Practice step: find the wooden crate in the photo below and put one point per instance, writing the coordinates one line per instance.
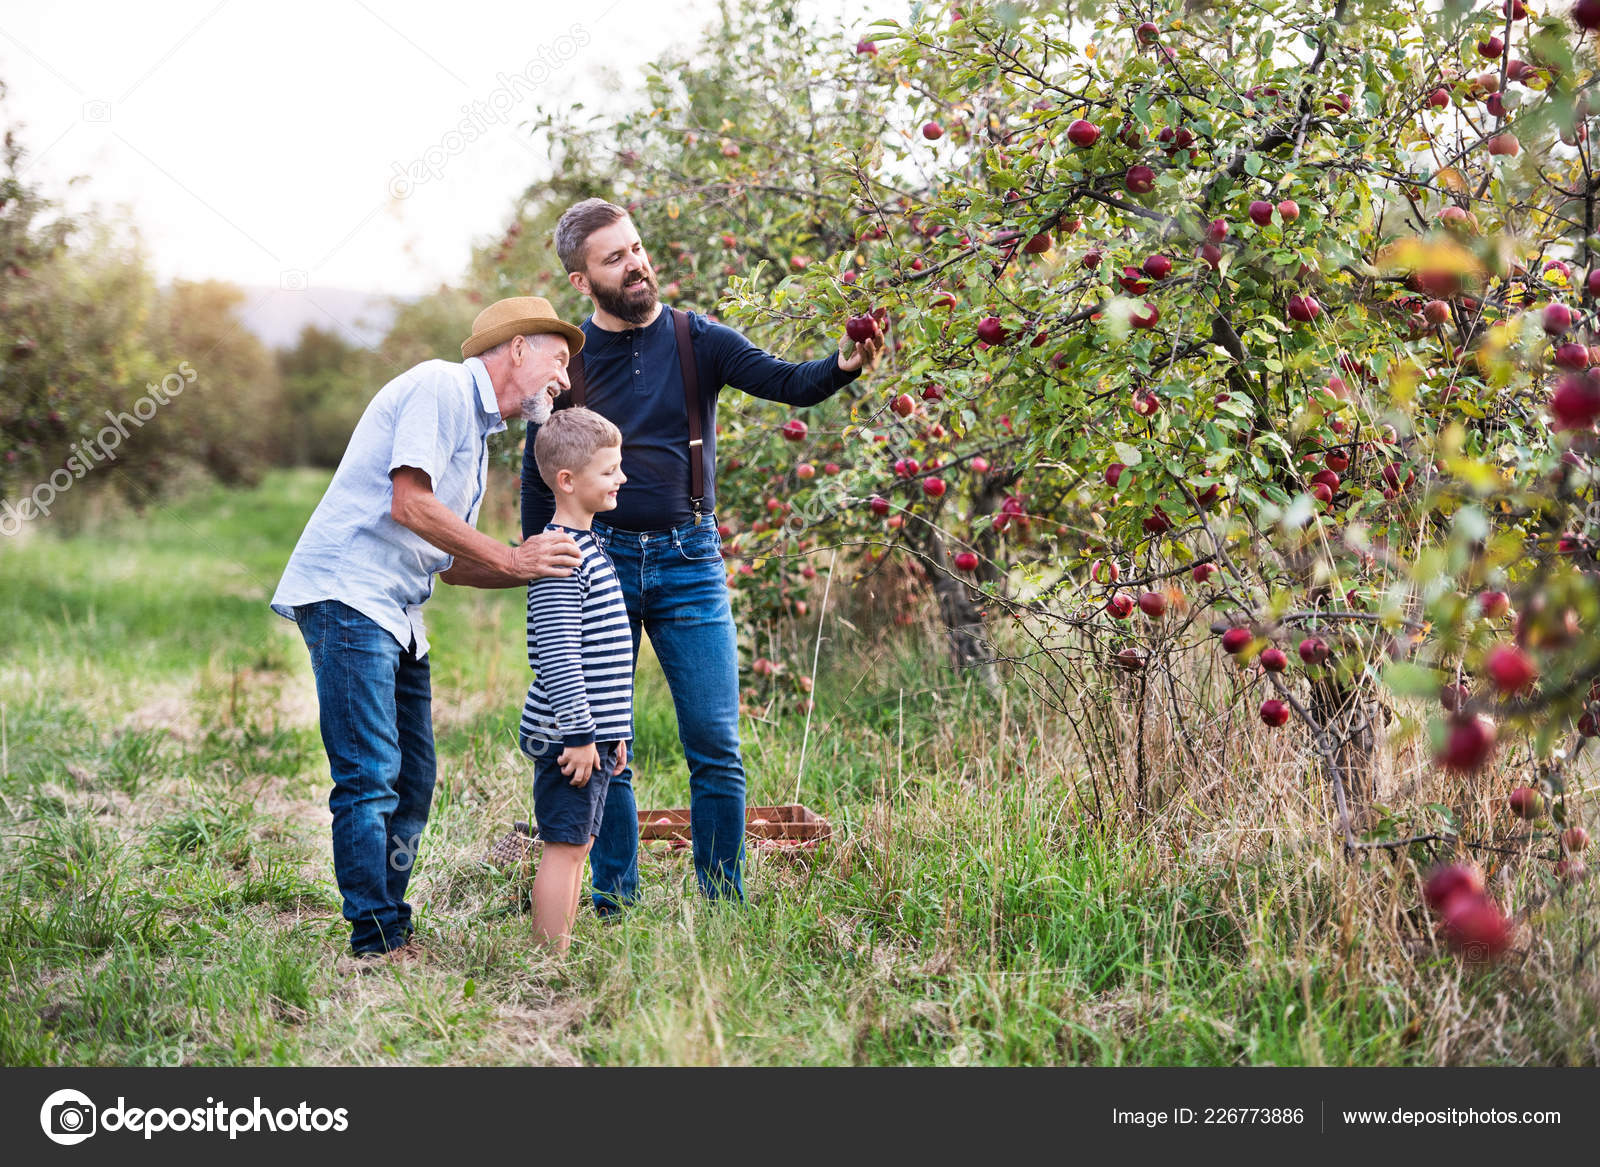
(768, 829)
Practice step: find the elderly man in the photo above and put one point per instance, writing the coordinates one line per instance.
(402, 508)
(656, 372)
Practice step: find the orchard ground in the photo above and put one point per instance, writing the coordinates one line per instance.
(993, 897)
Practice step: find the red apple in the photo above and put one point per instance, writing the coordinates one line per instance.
(794, 430)
(1038, 245)
(1146, 319)
(905, 405)
(980, 465)
(1288, 209)
(933, 487)
(1493, 605)
(1511, 669)
(1436, 312)
(1572, 356)
(1211, 254)
(1203, 572)
(991, 330)
(1114, 474)
(1083, 133)
(879, 504)
(1303, 309)
(1260, 212)
(1140, 180)
(1558, 318)
(966, 561)
(1526, 802)
(866, 47)
(1153, 605)
(805, 470)
(1439, 98)
(1274, 660)
(1216, 230)
(1449, 881)
(1157, 267)
(1468, 743)
(1313, 650)
(933, 131)
(1235, 639)
(1104, 571)
(1148, 33)
(1475, 926)
(1120, 606)
(1505, 143)
(1586, 15)
(1491, 48)
(860, 328)
(1157, 522)
(1574, 839)
(1274, 712)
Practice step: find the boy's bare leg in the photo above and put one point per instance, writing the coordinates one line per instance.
(577, 885)
(555, 893)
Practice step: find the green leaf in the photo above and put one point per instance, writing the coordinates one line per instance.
(1405, 679)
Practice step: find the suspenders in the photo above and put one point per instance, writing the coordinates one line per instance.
(691, 400)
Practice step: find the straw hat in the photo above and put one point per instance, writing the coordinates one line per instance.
(518, 316)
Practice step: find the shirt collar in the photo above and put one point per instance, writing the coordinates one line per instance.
(486, 398)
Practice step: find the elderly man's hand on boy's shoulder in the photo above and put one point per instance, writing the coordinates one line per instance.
(549, 553)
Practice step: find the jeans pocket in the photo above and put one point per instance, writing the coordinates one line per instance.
(700, 546)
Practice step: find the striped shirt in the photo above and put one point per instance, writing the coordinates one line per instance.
(581, 651)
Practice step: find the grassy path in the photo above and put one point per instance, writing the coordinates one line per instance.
(166, 889)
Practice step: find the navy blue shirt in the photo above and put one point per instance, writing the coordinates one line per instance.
(633, 379)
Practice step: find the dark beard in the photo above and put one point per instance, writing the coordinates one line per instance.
(623, 306)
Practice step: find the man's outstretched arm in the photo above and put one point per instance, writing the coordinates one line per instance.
(480, 561)
(760, 374)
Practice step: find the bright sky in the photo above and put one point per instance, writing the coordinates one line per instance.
(264, 143)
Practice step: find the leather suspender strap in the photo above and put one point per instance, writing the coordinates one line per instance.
(691, 400)
(575, 378)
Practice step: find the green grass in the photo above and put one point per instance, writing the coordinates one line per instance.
(166, 892)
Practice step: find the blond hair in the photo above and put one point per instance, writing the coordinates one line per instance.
(569, 439)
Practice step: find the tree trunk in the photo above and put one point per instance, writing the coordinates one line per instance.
(1356, 727)
(963, 623)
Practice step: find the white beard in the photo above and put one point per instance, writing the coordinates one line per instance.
(536, 409)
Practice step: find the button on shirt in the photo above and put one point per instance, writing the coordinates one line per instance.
(436, 417)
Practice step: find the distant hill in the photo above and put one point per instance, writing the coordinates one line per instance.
(277, 315)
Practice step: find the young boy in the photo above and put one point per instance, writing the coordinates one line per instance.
(578, 716)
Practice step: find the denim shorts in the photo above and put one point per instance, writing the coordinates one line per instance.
(565, 813)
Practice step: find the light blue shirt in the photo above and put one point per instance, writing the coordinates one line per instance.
(436, 417)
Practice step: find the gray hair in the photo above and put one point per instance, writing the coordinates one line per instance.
(504, 347)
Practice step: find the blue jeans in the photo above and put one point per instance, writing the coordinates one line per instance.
(375, 706)
(676, 589)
